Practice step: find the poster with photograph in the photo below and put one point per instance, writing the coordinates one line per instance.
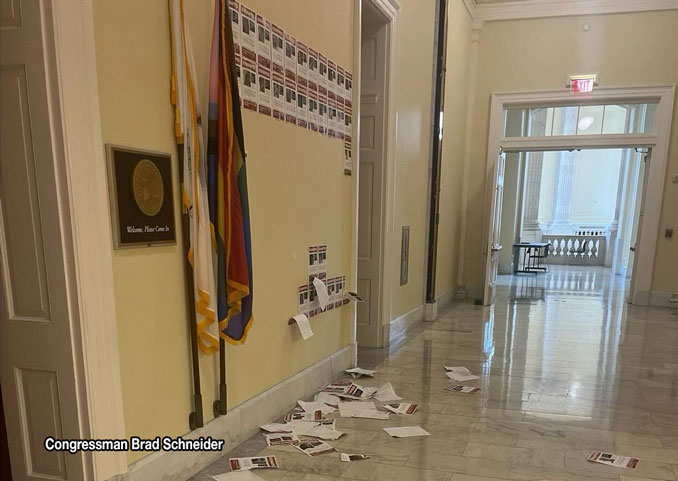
(313, 261)
(264, 101)
(613, 460)
(304, 305)
(263, 42)
(240, 464)
(332, 117)
(341, 82)
(331, 80)
(339, 290)
(277, 95)
(249, 84)
(331, 284)
(322, 113)
(238, 74)
(302, 103)
(322, 261)
(277, 49)
(348, 159)
(348, 92)
(290, 56)
(302, 61)
(344, 299)
(348, 122)
(248, 33)
(235, 25)
(322, 75)
(290, 100)
(341, 118)
(312, 69)
(314, 447)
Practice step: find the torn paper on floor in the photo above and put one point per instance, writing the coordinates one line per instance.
(313, 406)
(407, 431)
(282, 439)
(353, 457)
(241, 464)
(459, 377)
(321, 290)
(613, 460)
(462, 389)
(327, 398)
(304, 416)
(314, 447)
(386, 394)
(355, 391)
(237, 476)
(322, 430)
(304, 326)
(358, 372)
(460, 370)
(358, 409)
(401, 408)
(276, 428)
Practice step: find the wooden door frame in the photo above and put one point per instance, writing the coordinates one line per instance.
(389, 9)
(657, 140)
(85, 224)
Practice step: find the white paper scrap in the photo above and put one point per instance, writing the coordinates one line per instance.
(321, 290)
(356, 391)
(358, 372)
(241, 464)
(402, 408)
(407, 431)
(276, 428)
(304, 416)
(329, 399)
(237, 476)
(462, 389)
(353, 457)
(314, 447)
(613, 460)
(304, 325)
(386, 393)
(282, 439)
(461, 377)
(365, 409)
(313, 406)
(460, 370)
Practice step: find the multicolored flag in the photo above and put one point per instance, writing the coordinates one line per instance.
(227, 186)
(194, 179)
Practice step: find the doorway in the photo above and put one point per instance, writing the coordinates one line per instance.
(372, 172)
(610, 118)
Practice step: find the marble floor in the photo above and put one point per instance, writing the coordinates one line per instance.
(566, 367)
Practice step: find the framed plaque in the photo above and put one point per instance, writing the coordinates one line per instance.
(142, 205)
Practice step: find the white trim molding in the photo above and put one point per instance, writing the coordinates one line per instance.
(514, 10)
(243, 421)
(658, 141)
(398, 327)
(664, 299)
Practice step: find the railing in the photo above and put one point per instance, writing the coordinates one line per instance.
(587, 250)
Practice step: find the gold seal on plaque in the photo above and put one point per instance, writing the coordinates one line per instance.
(148, 187)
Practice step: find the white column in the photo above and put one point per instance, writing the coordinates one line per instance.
(533, 163)
(562, 200)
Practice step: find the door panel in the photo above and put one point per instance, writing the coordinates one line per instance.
(37, 366)
(373, 61)
(638, 223)
(494, 237)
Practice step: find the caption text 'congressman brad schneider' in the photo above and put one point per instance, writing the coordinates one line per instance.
(134, 443)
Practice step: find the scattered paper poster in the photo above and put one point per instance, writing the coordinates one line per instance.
(321, 291)
(241, 464)
(613, 460)
(355, 391)
(304, 325)
(407, 431)
(361, 409)
(263, 42)
(341, 386)
(276, 428)
(248, 32)
(282, 439)
(386, 394)
(354, 296)
(402, 408)
(314, 447)
(304, 416)
(353, 457)
(237, 476)
(460, 377)
(264, 94)
(462, 389)
(313, 406)
(358, 372)
(249, 84)
(460, 370)
(327, 398)
(235, 25)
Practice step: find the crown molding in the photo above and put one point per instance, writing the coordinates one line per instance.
(562, 8)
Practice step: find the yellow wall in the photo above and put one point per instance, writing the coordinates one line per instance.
(413, 85)
(538, 54)
(454, 133)
(298, 197)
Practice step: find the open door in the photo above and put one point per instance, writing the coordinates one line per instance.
(638, 224)
(493, 244)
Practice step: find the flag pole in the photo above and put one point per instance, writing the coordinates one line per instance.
(195, 418)
(220, 407)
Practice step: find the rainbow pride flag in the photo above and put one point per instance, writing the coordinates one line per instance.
(227, 186)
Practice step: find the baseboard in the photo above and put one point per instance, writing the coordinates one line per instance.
(664, 299)
(460, 292)
(243, 421)
(445, 299)
(399, 326)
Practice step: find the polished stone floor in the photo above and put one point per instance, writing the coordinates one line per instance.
(566, 367)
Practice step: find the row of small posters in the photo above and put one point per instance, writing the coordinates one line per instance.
(317, 267)
(281, 77)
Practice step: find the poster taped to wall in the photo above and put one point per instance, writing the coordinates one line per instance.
(235, 25)
(249, 83)
(277, 48)
(277, 94)
(302, 103)
(263, 41)
(238, 73)
(264, 101)
(248, 31)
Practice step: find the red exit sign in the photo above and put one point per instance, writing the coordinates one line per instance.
(582, 84)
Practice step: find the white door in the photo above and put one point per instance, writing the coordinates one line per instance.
(372, 148)
(37, 373)
(638, 222)
(493, 239)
